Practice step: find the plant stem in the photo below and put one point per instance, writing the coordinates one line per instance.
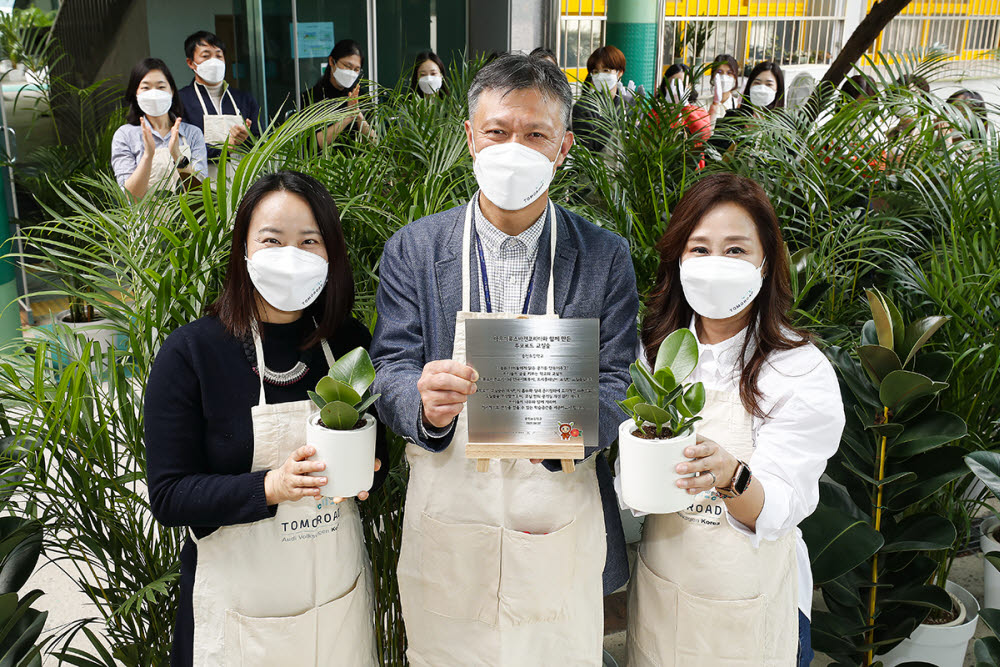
(878, 526)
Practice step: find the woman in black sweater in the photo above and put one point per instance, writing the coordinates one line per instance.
(226, 451)
(341, 80)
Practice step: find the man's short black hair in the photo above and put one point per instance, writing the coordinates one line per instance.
(516, 71)
(202, 37)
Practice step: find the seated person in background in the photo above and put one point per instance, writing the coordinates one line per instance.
(764, 92)
(220, 111)
(908, 114)
(678, 88)
(965, 120)
(725, 81)
(547, 54)
(605, 68)
(428, 80)
(155, 149)
(341, 80)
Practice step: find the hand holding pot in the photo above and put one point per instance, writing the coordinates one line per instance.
(291, 480)
(710, 457)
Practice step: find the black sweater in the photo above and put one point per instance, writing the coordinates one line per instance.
(199, 432)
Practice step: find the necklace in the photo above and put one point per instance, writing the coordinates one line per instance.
(278, 378)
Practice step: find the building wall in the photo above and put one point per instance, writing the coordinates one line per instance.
(170, 22)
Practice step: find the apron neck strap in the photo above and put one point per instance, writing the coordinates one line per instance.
(550, 308)
(259, 349)
(201, 100)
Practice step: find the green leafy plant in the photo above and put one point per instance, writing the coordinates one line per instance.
(661, 398)
(344, 393)
(986, 467)
(876, 541)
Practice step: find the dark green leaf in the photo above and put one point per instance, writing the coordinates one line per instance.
(921, 532)
(331, 390)
(837, 543)
(986, 466)
(930, 430)
(339, 416)
(881, 317)
(917, 334)
(902, 387)
(878, 362)
(355, 370)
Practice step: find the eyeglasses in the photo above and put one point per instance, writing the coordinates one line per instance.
(353, 68)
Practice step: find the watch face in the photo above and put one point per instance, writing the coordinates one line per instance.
(742, 480)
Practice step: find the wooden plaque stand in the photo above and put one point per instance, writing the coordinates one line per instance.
(483, 452)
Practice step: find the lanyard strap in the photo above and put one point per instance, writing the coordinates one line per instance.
(486, 280)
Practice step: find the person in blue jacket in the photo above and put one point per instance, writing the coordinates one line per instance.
(216, 108)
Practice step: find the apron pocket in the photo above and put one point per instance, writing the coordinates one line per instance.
(536, 574)
(460, 569)
(713, 632)
(263, 642)
(345, 628)
(652, 614)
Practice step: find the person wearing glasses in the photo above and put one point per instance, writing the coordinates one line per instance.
(341, 80)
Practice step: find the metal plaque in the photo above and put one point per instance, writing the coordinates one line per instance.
(538, 386)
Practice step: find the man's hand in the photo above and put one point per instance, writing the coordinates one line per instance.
(444, 388)
(239, 133)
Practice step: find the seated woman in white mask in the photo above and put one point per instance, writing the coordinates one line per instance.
(155, 149)
(764, 92)
(727, 581)
(428, 79)
(271, 573)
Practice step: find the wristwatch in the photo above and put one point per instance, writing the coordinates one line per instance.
(740, 482)
(183, 162)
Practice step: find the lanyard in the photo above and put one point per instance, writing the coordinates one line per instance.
(486, 279)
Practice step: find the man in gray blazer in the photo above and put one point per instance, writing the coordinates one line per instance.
(509, 566)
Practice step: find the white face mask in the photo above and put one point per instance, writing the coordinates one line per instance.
(605, 81)
(155, 103)
(678, 91)
(726, 82)
(511, 175)
(288, 278)
(720, 287)
(430, 84)
(761, 95)
(345, 78)
(212, 71)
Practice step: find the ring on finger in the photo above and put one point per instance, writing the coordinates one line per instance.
(714, 479)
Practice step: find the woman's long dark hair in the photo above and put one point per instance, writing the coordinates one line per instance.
(421, 58)
(237, 306)
(342, 49)
(141, 69)
(779, 78)
(673, 70)
(769, 328)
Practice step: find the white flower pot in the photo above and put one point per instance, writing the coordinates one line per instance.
(99, 331)
(648, 471)
(941, 645)
(991, 576)
(349, 457)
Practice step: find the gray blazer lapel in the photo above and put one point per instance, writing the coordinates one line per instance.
(565, 269)
(448, 271)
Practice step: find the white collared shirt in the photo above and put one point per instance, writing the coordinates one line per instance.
(510, 261)
(805, 419)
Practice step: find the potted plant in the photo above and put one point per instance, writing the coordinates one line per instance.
(663, 412)
(881, 539)
(342, 433)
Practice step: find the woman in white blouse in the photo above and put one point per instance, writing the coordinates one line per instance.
(727, 581)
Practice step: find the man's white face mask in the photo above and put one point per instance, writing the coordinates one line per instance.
(511, 175)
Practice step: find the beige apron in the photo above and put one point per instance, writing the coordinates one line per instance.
(217, 126)
(163, 169)
(701, 595)
(502, 567)
(294, 589)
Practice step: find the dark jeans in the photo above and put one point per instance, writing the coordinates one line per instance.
(805, 643)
